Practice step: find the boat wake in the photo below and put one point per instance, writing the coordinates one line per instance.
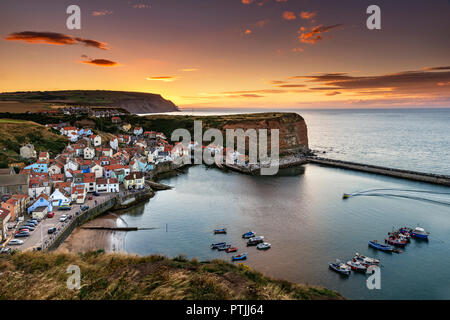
(436, 197)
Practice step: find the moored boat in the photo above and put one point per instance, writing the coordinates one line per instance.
(263, 246)
(255, 240)
(218, 244)
(220, 231)
(356, 266)
(397, 242)
(367, 261)
(419, 233)
(241, 256)
(248, 235)
(224, 247)
(231, 249)
(340, 267)
(382, 247)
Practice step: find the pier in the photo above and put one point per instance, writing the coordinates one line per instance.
(397, 173)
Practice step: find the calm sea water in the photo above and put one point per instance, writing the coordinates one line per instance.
(412, 139)
(308, 225)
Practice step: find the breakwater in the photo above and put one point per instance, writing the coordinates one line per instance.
(397, 173)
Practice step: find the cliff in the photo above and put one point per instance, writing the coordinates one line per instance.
(293, 129)
(133, 102)
(42, 276)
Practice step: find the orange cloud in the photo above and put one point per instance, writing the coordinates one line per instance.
(101, 13)
(162, 78)
(315, 35)
(307, 15)
(248, 31)
(101, 62)
(289, 15)
(298, 50)
(54, 38)
(247, 1)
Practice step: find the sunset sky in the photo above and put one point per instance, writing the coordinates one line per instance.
(234, 53)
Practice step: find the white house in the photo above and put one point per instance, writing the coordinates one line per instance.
(114, 143)
(88, 153)
(134, 180)
(107, 185)
(78, 193)
(71, 165)
(98, 170)
(138, 131)
(59, 198)
(96, 140)
(55, 168)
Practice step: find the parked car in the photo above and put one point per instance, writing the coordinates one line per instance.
(22, 234)
(84, 208)
(96, 194)
(29, 226)
(15, 242)
(65, 207)
(51, 230)
(6, 250)
(21, 229)
(90, 198)
(63, 218)
(50, 215)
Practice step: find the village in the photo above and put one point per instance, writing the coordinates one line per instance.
(88, 171)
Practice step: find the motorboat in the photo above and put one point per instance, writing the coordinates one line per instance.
(231, 249)
(340, 267)
(241, 256)
(366, 260)
(419, 233)
(263, 246)
(218, 244)
(220, 231)
(382, 247)
(255, 240)
(224, 247)
(356, 266)
(248, 235)
(397, 242)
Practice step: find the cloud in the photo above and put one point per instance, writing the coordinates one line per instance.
(334, 93)
(189, 69)
(101, 13)
(289, 15)
(261, 23)
(162, 78)
(247, 1)
(298, 49)
(437, 68)
(100, 62)
(308, 15)
(54, 38)
(247, 31)
(141, 6)
(291, 86)
(315, 35)
(418, 82)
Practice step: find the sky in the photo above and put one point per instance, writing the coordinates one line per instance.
(234, 53)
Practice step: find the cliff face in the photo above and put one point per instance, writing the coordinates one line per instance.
(133, 102)
(293, 132)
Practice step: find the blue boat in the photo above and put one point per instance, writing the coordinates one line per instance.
(419, 233)
(383, 247)
(241, 256)
(217, 245)
(248, 235)
(220, 231)
(340, 267)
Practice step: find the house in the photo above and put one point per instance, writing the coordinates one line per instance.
(89, 182)
(114, 143)
(73, 137)
(134, 180)
(138, 131)
(44, 157)
(38, 167)
(23, 200)
(59, 198)
(97, 169)
(39, 185)
(39, 213)
(107, 185)
(71, 165)
(64, 186)
(78, 193)
(5, 217)
(88, 153)
(55, 168)
(27, 151)
(41, 201)
(67, 131)
(115, 120)
(13, 207)
(11, 184)
(96, 140)
(57, 178)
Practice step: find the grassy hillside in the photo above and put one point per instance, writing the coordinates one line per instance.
(35, 275)
(14, 133)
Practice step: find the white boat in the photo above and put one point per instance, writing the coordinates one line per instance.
(263, 246)
(365, 260)
(255, 240)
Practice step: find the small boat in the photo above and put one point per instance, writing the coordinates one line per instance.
(263, 246)
(248, 235)
(396, 242)
(224, 247)
(220, 231)
(367, 261)
(356, 266)
(419, 233)
(241, 256)
(346, 196)
(255, 240)
(340, 267)
(231, 249)
(382, 247)
(218, 244)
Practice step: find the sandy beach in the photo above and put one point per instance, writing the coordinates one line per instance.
(84, 240)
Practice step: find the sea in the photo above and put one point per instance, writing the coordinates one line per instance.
(303, 216)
